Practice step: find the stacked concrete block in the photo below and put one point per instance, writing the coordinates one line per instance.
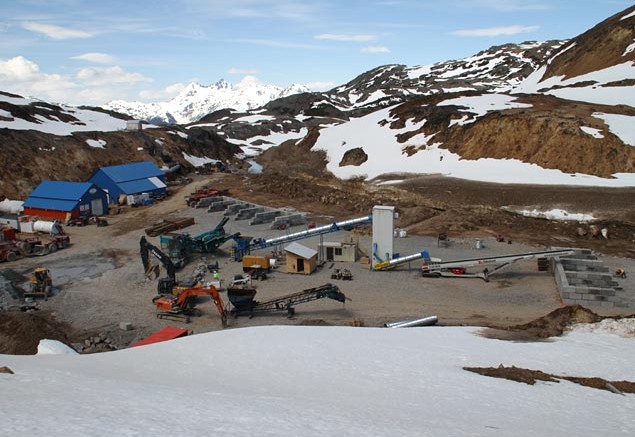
(287, 221)
(207, 201)
(265, 217)
(248, 213)
(234, 209)
(583, 279)
(220, 206)
(219, 199)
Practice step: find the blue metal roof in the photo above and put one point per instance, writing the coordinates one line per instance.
(132, 172)
(138, 186)
(61, 190)
(53, 204)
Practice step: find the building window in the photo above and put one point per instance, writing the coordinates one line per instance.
(338, 251)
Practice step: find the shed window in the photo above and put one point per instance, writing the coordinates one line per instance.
(338, 251)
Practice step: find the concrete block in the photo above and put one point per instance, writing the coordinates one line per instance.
(234, 209)
(249, 213)
(125, 326)
(220, 206)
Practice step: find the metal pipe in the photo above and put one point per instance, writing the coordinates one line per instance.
(318, 231)
(424, 321)
(413, 257)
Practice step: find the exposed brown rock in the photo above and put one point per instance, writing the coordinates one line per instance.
(355, 156)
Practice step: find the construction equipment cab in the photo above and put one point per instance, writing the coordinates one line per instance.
(183, 305)
(41, 283)
(165, 285)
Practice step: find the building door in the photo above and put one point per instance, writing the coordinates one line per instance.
(300, 265)
(329, 254)
(97, 207)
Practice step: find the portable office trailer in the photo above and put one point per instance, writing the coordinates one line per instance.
(338, 252)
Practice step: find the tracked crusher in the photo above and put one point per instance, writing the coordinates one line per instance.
(242, 299)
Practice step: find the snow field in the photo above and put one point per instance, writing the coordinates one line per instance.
(386, 155)
(321, 381)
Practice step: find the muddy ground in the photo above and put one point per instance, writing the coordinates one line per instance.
(101, 282)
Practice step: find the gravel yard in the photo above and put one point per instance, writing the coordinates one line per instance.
(101, 280)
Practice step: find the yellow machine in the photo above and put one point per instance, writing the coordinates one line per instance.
(41, 283)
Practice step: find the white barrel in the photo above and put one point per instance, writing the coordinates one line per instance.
(52, 228)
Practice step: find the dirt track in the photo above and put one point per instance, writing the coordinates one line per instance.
(102, 282)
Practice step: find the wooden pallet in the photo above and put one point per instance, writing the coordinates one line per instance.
(166, 226)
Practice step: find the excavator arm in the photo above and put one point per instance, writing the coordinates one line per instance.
(183, 301)
(165, 285)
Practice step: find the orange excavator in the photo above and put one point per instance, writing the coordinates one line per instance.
(181, 307)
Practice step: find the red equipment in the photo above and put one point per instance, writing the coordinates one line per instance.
(183, 305)
(165, 334)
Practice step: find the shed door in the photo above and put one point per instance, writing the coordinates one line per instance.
(300, 265)
(329, 254)
(97, 207)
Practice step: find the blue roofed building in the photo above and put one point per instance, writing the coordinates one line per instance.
(65, 200)
(130, 179)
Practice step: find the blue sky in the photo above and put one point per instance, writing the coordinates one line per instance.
(91, 52)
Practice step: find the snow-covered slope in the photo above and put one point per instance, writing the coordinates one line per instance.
(597, 66)
(196, 101)
(604, 86)
(21, 113)
(545, 113)
(496, 69)
(387, 154)
(321, 381)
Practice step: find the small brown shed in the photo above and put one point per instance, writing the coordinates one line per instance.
(300, 259)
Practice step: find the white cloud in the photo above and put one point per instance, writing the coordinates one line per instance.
(344, 37)
(98, 58)
(242, 71)
(106, 75)
(165, 94)
(375, 49)
(18, 69)
(496, 31)
(319, 86)
(22, 76)
(95, 86)
(55, 32)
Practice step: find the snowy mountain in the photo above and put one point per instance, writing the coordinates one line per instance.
(40, 139)
(497, 69)
(20, 113)
(196, 101)
(324, 381)
(546, 113)
(597, 66)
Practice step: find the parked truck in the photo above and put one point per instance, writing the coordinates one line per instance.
(8, 251)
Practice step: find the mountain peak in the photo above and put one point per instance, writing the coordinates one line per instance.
(223, 84)
(196, 100)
